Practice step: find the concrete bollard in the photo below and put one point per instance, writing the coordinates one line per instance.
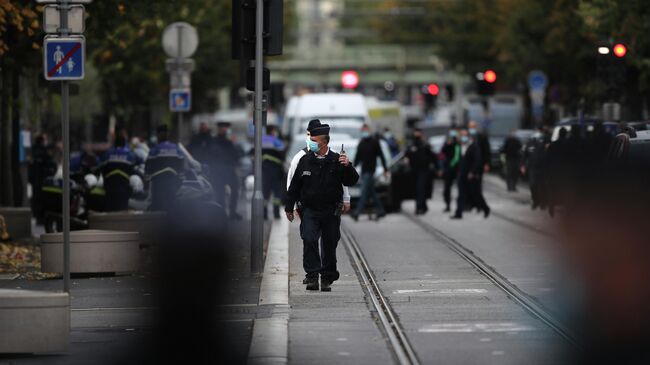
(148, 224)
(92, 251)
(18, 220)
(34, 321)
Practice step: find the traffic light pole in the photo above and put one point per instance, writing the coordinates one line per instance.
(257, 214)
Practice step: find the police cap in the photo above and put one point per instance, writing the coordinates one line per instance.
(321, 130)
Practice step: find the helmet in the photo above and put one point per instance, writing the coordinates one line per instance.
(136, 183)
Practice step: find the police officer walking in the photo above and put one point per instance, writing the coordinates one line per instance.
(272, 170)
(164, 170)
(534, 167)
(224, 169)
(117, 166)
(423, 162)
(470, 169)
(201, 145)
(512, 151)
(317, 184)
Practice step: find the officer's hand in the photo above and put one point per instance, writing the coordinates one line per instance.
(290, 216)
(344, 160)
(346, 207)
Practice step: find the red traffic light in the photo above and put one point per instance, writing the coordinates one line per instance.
(349, 79)
(620, 50)
(490, 76)
(433, 89)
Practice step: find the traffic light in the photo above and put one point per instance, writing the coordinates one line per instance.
(243, 28)
(620, 50)
(485, 82)
(612, 68)
(430, 93)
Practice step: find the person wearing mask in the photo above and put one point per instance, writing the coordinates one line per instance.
(423, 162)
(272, 170)
(164, 170)
(452, 153)
(392, 142)
(117, 166)
(512, 151)
(345, 198)
(317, 184)
(201, 145)
(224, 170)
(368, 151)
(469, 169)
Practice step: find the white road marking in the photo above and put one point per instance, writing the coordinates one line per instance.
(344, 354)
(498, 353)
(341, 339)
(485, 339)
(475, 327)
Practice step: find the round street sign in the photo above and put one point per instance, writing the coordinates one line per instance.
(180, 40)
(537, 80)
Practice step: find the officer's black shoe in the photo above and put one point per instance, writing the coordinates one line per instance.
(325, 285)
(354, 216)
(486, 212)
(447, 210)
(305, 280)
(312, 284)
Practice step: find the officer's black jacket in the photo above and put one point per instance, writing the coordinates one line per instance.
(317, 183)
(471, 161)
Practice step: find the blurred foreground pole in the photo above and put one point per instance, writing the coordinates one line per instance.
(65, 132)
(257, 213)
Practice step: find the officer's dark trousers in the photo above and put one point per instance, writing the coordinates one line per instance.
(421, 182)
(463, 195)
(475, 189)
(320, 224)
(272, 184)
(512, 174)
(449, 177)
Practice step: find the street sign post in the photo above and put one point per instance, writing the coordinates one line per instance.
(64, 58)
(537, 83)
(180, 40)
(76, 19)
(180, 100)
(64, 54)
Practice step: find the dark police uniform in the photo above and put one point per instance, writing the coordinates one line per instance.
(117, 167)
(272, 172)
(452, 152)
(224, 172)
(317, 184)
(165, 172)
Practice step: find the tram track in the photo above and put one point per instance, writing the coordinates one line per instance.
(531, 305)
(387, 320)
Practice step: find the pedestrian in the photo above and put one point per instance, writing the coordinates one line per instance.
(452, 154)
(469, 170)
(201, 145)
(512, 151)
(117, 166)
(391, 141)
(423, 163)
(534, 167)
(224, 170)
(368, 151)
(558, 164)
(317, 184)
(273, 150)
(164, 170)
(345, 198)
(476, 198)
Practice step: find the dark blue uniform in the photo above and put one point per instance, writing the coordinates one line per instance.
(117, 167)
(317, 184)
(165, 172)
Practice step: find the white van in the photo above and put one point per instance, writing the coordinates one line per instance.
(345, 113)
